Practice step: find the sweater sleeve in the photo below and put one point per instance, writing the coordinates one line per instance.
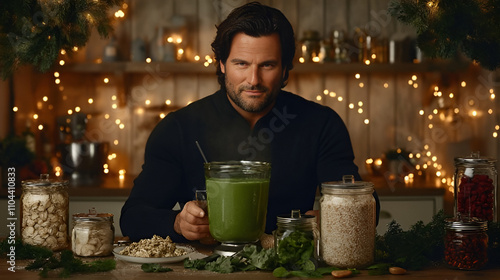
(158, 188)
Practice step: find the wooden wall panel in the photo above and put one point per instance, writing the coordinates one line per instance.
(381, 114)
(392, 111)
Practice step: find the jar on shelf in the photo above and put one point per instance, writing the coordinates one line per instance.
(475, 188)
(310, 45)
(347, 223)
(92, 234)
(44, 213)
(296, 227)
(466, 244)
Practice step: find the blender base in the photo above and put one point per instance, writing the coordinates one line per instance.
(229, 249)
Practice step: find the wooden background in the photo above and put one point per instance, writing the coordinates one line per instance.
(388, 101)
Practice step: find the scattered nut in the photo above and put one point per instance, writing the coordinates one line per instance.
(156, 247)
(397, 270)
(267, 241)
(341, 273)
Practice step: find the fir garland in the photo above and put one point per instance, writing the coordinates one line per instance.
(447, 27)
(35, 31)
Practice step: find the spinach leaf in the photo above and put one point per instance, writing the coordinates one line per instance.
(154, 267)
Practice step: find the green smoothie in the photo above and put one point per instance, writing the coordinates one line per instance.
(237, 208)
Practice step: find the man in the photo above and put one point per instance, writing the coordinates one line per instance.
(249, 118)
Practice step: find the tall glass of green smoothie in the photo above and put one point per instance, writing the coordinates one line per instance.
(237, 195)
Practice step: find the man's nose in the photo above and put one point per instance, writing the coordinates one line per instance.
(254, 75)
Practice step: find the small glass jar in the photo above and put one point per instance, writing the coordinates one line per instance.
(44, 213)
(92, 234)
(296, 227)
(466, 244)
(310, 45)
(347, 223)
(475, 188)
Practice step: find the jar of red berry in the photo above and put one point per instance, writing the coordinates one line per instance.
(475, 188)
(466, 244)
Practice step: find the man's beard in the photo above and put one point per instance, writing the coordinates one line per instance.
(248, 105)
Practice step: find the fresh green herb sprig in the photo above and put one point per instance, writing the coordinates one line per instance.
(23, 250)
(68, 264)
(253, 258)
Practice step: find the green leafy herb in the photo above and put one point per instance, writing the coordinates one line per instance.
(282, 272)
(413, 249)
(69, 265)
(296, 251)
(379, 269)
(24, 251)
(264, 259)
(154, 267)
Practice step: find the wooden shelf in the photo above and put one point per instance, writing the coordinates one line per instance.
(299, 68)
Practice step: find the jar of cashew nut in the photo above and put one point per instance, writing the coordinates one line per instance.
(44, 213)
(92, 234)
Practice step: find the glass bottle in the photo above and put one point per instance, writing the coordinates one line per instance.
(466, 244)
(293, 227)
(475, 188)
(92, 234)
(44, 213)
(347, 223)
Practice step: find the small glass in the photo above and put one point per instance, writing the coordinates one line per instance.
(92, 234)
(297, 228)
(466, 244)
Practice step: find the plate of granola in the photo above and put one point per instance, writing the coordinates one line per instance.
(153, 250)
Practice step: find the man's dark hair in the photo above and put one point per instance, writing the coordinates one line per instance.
(256, 20)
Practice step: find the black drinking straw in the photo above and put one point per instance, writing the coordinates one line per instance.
(201, 151)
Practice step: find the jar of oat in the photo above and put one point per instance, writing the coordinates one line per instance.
(92, 234)
(347, 223)
(44, 213)
(299, 230)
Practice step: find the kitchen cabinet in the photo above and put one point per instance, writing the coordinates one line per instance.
(407, 210)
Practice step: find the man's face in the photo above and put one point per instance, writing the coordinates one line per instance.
(253, 72)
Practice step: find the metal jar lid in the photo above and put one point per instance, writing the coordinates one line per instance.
(474, 159)
(347, 184)
(295, 218)
(93, 216)
(466, 224)
(44, 181)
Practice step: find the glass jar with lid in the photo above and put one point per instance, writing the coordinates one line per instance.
(347, 223)
(296, 229)
(310, 45)
(475, 188)
(466, 244)
(92, 234)
(44, 213)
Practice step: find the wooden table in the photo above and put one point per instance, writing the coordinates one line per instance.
(126, 270)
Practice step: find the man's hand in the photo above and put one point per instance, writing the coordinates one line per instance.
(192, 223)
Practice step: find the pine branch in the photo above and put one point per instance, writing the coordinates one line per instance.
(34, 32)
